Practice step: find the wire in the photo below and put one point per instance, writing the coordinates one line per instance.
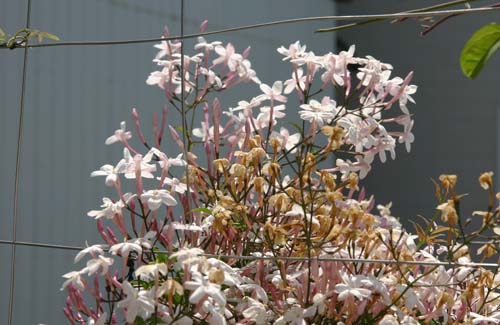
(283, 258)
(15, 213)
(183, 111)
(268, 24)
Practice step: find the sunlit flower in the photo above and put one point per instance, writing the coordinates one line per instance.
(155, 198)
(124, 249)
(175, 185)
(293, 316)
(318, 112)
(100, 263)
(93, 250)
(227, 56)
(110, 209)
(111, 172)
(352, 287)
(121, 135)
(256, 311)
(74, 278)
(479, 319)
(202, 44)
(136, 303)
(150, 271)
(201, 287)
(272, 93)
(294, 51)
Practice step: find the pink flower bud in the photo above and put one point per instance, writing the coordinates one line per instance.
(163, 124)
(135, 117)
(216, 120)
(203, 26)
(100, 229)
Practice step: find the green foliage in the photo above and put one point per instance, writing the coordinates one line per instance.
(204, 210)
(22, 36)
(479, 49)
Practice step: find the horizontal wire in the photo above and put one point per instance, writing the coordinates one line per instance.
(42, 245)
(282, 258)
(273, 23)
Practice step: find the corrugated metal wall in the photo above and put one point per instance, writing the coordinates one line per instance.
(456, 119)
(76, 97)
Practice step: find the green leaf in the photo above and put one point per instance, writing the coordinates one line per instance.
(48, 35)
(479, 48)
(2, 33)
(205, 210)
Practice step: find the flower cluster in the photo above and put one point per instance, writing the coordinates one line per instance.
(271, 225)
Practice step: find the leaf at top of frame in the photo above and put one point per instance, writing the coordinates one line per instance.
(479, 49)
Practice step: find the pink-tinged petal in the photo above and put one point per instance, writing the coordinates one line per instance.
(98, 173)
(131, 314)
(154, 204)
(265, 89)
(111, 180)
(215, 293)
(280, 98)
(168, 199)
(197, 295)
(112, 139)
(277, 87)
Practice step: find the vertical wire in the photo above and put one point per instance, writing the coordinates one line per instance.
(17, 175)
(183, 111)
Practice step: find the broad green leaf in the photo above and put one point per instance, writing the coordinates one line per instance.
(479, 48)
(2, 33)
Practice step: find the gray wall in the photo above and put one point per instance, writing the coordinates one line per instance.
(76, 97)
(456, 119)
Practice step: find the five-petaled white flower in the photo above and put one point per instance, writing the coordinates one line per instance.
(175, 185)
(187, 256)
(74, 278)
(256, 311)
(93, 250)
(155, 198)
(121, 135)
(227, 56)
(100, 263)
(318, 112)
(272, 93)
(110, 209)
(202, 287)
(294, 51)
(124, 249)
(204, 45)
(167, 48)
(150, 271)
(352, 287)
(111, 172)
(137, 302)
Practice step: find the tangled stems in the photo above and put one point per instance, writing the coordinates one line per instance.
(288, 199)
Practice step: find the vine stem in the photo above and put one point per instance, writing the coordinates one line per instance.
(365, 19)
